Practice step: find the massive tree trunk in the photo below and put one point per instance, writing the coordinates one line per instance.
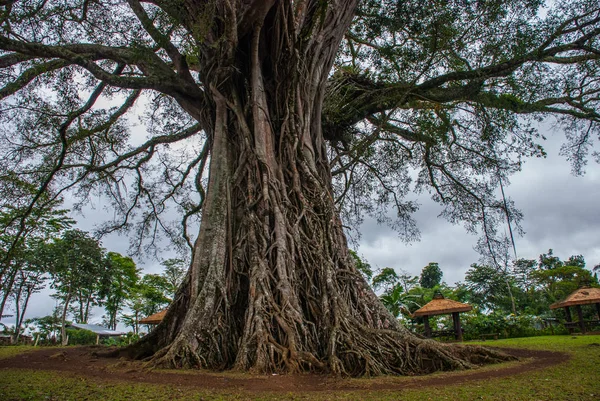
(272, 286)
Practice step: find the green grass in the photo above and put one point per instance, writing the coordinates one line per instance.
(578, 379)
(10, 351)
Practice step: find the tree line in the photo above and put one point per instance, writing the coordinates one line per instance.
(519, 295)
(50, 253)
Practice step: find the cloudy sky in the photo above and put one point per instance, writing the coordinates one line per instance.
(561, 211)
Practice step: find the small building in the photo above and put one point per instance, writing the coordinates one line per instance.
(581, 296)
(98, 330)
(442, 306)
(155, 318)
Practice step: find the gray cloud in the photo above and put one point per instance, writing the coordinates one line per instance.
(561, 211)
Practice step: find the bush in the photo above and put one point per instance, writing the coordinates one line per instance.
(81, 337)
(509, 326)
(122, 341)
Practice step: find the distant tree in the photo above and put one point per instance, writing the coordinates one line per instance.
(407, 281)
(361, 265)
(558, 279)
(149, 296)
(522, 272)
(28, 282)
(386, 279)
(395, 297)
(123, 277)
(47, 327)
(431, 275)
(77, 268)
(23, 227)
(487, 288)
(174, 273)
(496, 253)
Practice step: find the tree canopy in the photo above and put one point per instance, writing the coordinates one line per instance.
(451, 91)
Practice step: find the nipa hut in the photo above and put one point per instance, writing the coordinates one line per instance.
(442, 306)
(582, 296)
(155, 318)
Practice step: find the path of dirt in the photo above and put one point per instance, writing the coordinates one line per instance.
(80, 361)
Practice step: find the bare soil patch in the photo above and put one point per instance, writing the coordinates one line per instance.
(82, 361)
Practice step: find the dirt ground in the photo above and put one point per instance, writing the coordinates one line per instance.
(81, 361)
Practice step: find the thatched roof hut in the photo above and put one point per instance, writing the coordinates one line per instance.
(155, 318)
(581, 296)
(442, 306)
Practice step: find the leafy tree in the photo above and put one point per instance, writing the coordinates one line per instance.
(155, 290)
(47, 327)
(77, 268)
(487, 288)
(290, 117)
(174, 273)
(558, 279)
(28, 282)
(431, 275)
(396, 296)
(361, 265)
(19, 235)
(149, 296)
(385, 279)
(123, 277)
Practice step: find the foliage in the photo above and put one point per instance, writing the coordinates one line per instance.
(24, 230)
(487, 288)
(431, 275)
(149, 296)
(47, 327)
(123, 276)
(174, 274)
(363, 266)
(81, 337)
(78, 271)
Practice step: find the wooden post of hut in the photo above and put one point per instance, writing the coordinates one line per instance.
(580, 317)
(578, 298)
(568, 319)
(426, 327)
(442, 306)
(457, 328)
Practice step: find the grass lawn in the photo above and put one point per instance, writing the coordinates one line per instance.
(577, 379)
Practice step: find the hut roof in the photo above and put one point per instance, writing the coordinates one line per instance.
(441, 306)
(97, 329)
(155, 318)
(582, 296)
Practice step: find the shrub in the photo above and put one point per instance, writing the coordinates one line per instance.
(81, 337)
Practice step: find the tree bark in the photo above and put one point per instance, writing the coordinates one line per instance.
(272, 287)
(63, 331)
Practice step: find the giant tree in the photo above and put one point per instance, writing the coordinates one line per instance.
(272, 122)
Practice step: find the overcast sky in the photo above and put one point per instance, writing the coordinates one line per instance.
(561, 212)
